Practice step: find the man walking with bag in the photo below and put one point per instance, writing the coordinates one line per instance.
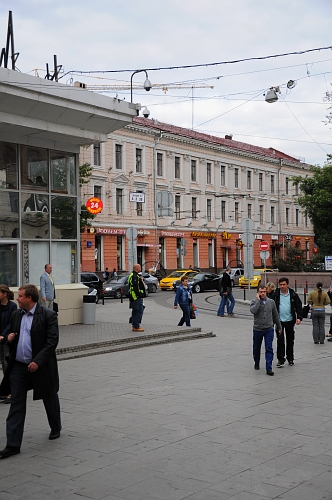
(227, 297)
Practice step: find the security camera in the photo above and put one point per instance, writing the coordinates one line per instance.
(147, 84)
(146, 112)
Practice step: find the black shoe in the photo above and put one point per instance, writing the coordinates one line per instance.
(318, 342)
(54, 435)
(291, 363)
(269, 372)
(9, 451)
(256, 366)
(280, 364)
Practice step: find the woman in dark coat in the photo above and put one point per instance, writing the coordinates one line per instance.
(6, 309)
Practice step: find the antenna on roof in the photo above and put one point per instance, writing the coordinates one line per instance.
(10, 41)
(56, 71)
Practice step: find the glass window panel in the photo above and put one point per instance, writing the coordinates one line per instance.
(8, 264)
(35, 255)
(63, 262)
(64, 217)
(8, 166)
(35, 215)
(9, 220)
(63, 172)
(34, 170)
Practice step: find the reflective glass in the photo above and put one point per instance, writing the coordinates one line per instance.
(8, 166)
(63, 172)
(34, 170)
(64, 217)
(35, 215)
(9, 220)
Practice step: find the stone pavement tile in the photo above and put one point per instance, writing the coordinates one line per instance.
(316, 447)
(249, 496)
(307, 491)
(27, 489)
(8, 496)
(254, 485)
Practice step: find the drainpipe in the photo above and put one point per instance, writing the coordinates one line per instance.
(155, 193)
(279, 201)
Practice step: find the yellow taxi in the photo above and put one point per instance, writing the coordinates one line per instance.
(167, 283)
(255, 280)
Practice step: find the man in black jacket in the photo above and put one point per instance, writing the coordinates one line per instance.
(227, 297)
(289, 307)
(33, 339)
(136, 296)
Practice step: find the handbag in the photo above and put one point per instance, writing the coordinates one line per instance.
(305, 310)
(55, 307)
(192, 312)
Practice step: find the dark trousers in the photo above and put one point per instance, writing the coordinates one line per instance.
(288, 330)
(186, 315)
(258, 337)
(137, 314)
(20, 383)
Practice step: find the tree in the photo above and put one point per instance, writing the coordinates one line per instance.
(85, 173)
(292, 262)
(316, 200)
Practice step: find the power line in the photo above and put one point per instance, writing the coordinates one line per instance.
(187, 66)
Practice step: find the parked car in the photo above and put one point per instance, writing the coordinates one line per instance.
(255, 280)
(92, 280)
(151, 281)
(235, 275)
(118, 286)
(201, 282)
(167, 283)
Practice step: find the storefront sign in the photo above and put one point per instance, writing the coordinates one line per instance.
(203, 235)
(94, 205)
(143, 232)
(106, 230)
(137, 197)
(256, 236)
(274, 237)
(226, 236)
(172, 235)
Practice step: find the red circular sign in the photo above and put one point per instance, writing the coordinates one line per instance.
(264, 245)
(94, 205)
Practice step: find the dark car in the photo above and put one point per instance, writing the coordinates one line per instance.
(92, 280)
(201, 282)
(118, 286)
(151, 281)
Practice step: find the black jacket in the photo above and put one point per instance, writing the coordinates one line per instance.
(6, 312)
(136, 287)
(296, 303)
(225, 283)
(44, 340)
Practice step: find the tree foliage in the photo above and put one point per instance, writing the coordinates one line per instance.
(316, 200)
(85, 173)
(293, 260)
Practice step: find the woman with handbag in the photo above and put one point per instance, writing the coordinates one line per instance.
(318, 299)
(183, 297)
(6, 309)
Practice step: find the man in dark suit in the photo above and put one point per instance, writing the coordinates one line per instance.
(33, 339)
(227, 297)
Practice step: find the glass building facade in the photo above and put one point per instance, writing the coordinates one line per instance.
(38, 214)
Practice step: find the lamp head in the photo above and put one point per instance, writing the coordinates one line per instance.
(271, 95)
(147, 84)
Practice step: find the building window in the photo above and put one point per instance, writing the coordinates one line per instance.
(193, 170)
(223, 211)
(139, 207)
(118, 156)
(260, 182)
(287, 185)
(177, 167)
(249, 210)
(97, 191)
(236, 212)
(272, 216)
(209, 209)
(249, 179)
(272, 184)
(138, 160)
(307, 256)
(194, 208)
(177, 207)
(296, 189)
(222, 175)
(236, 177)
(159, 164)
(208, 173)
(261, 214)
(118, 200)
(296, 216)
(287, 216)
(306, 220)
(96, 154)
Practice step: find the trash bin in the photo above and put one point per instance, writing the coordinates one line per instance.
(89, 310)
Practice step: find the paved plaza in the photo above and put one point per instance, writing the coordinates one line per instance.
(189, 420)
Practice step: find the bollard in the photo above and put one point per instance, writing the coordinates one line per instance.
(277, 283)
(103, 296)
(304, 295)
(306, 286)
(121, 297)
(295, 286)
(244, 293)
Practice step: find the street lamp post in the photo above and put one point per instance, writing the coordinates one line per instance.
(147, 83)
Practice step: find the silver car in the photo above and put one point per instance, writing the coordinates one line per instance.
(235, 275)
(151, 281)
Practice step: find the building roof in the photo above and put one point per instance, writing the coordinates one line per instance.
(212, 139)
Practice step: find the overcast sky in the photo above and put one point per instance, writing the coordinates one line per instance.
(139, 34)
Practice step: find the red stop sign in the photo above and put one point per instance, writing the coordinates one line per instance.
(264, 245)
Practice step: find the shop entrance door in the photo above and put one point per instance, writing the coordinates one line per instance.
(9, 263)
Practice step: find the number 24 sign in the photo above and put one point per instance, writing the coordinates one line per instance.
(94, 205)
